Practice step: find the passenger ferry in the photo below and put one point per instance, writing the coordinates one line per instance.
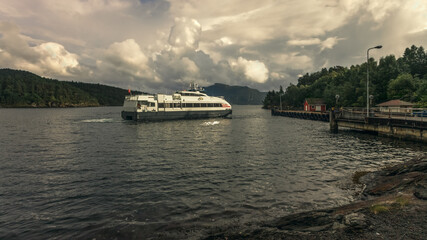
(188, 104)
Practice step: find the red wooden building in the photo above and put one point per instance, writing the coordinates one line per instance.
(314, 105)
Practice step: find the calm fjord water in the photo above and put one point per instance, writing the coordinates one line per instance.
(85, 173)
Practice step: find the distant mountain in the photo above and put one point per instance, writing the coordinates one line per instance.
(24, 89)
(237, 94)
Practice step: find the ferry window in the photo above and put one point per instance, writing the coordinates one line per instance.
(152, 104)
(143, 103)
(177, 105)
(203, 105)
(210, 104)
(197, 105)
(161, 105)
(167, 105)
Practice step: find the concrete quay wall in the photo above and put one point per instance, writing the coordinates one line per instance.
(390, 130)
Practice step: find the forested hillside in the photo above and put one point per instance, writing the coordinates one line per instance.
(404, 78)
(236, 94)
(105, 95)
(24, 89)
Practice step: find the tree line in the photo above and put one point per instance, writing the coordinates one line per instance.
(404, 78)
(24, 89)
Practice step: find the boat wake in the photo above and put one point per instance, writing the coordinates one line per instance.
(210, 123)
(99, 120)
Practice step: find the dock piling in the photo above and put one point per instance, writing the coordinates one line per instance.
(333, 125)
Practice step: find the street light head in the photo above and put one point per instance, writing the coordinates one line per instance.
(379, 46)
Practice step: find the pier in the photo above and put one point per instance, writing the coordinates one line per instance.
(317, 116)
(407, 125)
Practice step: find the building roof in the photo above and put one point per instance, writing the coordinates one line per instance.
(395, 103)
(314, 101)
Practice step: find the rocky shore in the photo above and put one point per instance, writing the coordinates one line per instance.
(392, 205)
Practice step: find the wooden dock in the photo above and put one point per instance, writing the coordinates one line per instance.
(316, 116)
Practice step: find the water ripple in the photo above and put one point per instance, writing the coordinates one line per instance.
(85, 173)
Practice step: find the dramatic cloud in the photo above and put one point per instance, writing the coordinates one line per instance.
(163, 45)
(294, 60)
(47, 59)
(327, 43)
(126, 57)
(330, 42)
(253, 70)
(55, 59)
(304, 42)
(185, 34)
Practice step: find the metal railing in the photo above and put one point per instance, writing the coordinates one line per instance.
(414, 114)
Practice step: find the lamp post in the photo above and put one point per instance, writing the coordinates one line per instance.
(336, 100)
(367, 78)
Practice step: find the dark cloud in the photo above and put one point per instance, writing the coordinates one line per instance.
(157, 8)
(13, 43)
(159, 45)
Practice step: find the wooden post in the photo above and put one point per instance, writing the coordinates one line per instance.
(333, 122)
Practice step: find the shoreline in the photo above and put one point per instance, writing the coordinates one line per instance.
(31, 107)
(392, 205)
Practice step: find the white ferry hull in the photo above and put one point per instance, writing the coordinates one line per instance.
(191, 104)
(175, 115)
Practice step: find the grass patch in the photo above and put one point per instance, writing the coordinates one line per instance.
(398, 203)
(378, 208)
(401, 201)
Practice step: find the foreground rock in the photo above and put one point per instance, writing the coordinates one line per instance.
(393, 205)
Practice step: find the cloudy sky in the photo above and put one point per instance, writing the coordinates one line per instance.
(162, 45)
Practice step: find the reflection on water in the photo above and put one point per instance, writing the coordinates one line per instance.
(72, 173)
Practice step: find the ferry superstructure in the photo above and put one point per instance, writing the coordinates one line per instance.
(188, 104)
